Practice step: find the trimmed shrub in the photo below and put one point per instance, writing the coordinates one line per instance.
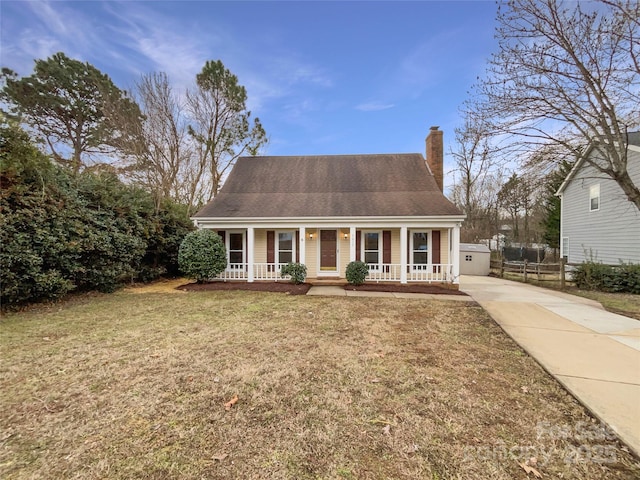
(623, 278)
(356, 272)
(202, 255)
(297, 272)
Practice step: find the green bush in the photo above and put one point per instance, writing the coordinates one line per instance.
(356, 272)
(297, 272)
(202, 255)
(61, 231)
(623, 278)
(166, 230)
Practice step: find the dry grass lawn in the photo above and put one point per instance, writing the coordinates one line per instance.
(135, 385)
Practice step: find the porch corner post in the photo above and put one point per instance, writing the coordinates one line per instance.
(455, 246)
(352, 244)
(251, 240)
(301, 246)
(403, 254)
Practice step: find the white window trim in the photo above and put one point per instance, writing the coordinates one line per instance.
(564, 251)
(429, 249)
(277, 245)
(227, 243)
(380, 249)
(594, 188)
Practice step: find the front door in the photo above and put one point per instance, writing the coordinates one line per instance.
(328, 251)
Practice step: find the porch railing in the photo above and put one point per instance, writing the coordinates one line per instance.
(261, 271)
(386, 272)
(383, 273)
(268, 271)
(389, 272)
(441, 272)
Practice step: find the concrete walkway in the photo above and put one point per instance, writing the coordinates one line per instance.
(593, 353)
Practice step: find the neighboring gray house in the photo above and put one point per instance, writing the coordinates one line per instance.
(597, 221)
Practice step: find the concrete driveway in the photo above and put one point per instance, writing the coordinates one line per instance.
(593, 353)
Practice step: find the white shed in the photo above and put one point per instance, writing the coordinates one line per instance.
(475, 259)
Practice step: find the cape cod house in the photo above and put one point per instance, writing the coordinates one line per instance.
(387, 210)
(597, 220)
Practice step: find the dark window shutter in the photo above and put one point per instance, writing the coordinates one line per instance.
(298, 246)
(386, 246)
(271, 246)
(435, 248)
(358, 244)
(409, 252)
(222, 234)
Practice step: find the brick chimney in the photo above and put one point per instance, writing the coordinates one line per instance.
(435, 155)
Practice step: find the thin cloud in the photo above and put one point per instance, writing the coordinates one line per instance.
(50, 17)
(374, 106)
(153, 43)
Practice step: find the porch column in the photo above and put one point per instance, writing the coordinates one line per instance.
(301, 245)
(251, 240)
(403, 254)
(352, 244)
(455, 247)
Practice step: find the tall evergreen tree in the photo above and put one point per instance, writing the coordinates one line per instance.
(551, 205)
(221, 126)
(73, 106)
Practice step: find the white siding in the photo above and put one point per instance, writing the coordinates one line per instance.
(609, 234)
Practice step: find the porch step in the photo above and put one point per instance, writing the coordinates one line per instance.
(329, 282)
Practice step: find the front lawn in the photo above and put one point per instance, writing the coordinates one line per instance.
(134, 385)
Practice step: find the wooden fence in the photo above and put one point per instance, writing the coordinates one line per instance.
(541, 272)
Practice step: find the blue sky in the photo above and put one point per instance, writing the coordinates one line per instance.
(323, 77)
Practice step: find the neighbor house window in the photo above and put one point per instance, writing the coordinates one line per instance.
(285, 247)
(565, 247)
(419, 246)
(594, 197)
(372, 247)
(235, 247)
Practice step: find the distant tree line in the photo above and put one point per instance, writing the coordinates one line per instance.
(97, 184)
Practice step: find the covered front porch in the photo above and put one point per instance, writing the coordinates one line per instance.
(410, 252)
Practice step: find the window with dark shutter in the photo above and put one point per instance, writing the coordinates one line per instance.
(271, 249)
(386, 246)
(435, 246)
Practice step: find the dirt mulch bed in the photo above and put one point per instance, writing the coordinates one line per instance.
(387, 287)
(302, 289)
(283, 287)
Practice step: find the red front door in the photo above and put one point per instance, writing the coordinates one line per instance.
(328, 254)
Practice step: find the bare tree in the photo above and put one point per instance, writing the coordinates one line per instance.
(521, 198)
(163, 157)
(475, 160)
(566, 74)
(221, 126)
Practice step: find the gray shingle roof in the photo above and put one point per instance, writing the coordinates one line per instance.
(329, 186)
